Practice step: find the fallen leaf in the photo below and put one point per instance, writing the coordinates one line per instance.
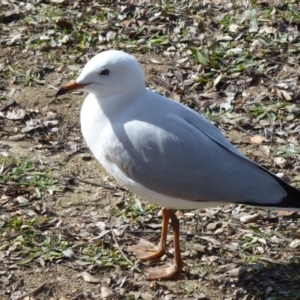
(284, 213)
(89, 278)
(257, 139)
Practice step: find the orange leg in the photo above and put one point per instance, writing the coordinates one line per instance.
(147, 251)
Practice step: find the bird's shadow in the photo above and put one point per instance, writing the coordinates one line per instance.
(257, 281)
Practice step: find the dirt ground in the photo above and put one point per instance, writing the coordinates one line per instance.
(63, 280)
(91, 220)
(74, 207)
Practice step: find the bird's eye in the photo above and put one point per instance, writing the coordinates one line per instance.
(104, 72)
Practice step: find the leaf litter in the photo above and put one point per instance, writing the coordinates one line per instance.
(65, 224)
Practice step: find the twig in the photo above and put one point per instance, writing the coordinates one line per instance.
(91, 183)
(123, 254)
(239, 127)
(69, 156)
(34, 290)
(282, 236)
(14, 289)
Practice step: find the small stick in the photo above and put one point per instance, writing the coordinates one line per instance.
(34, 290)
(122, 253)
(14, 289)
(91, 183)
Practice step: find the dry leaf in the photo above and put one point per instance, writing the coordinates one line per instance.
(89, 278)
(295, 243)
(284, 213)
(249, 218)
(257, 139)
(106, 292)
(217, 80)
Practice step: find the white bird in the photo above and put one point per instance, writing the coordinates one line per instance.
(165, 152)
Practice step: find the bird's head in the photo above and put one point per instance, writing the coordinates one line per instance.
(107, 74)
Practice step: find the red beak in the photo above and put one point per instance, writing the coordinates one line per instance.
(69, 88)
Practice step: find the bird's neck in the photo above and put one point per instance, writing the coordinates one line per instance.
(112, 105)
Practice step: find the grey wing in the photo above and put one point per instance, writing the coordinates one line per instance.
(187, 157)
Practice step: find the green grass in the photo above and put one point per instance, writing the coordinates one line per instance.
(24, 173)
(33, 240)
(132, 208)
(102, 255)
(24, 239)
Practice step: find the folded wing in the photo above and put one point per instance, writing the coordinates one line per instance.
(184, 156)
